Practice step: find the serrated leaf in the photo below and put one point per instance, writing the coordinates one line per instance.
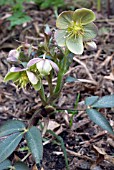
(5, 164)
(105, 102)
(99, 119)
(9, 144)
(21, 166)
(34, 142)
(11, 126)
(91, 100)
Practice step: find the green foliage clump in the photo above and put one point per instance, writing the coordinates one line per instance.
(49, 3)
(18, 15)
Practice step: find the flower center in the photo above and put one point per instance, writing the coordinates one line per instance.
(75, 29)
(23, 79)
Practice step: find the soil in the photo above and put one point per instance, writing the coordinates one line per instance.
(85, 142)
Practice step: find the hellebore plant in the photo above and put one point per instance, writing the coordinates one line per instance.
(51, 59)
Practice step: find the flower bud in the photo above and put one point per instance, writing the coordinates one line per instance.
(91, 46)
(48, 30)
(13, 55)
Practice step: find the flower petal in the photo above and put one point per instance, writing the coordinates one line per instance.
(64, 19)
(44, 67)
(17, 69)
(32, 78)
(38, 85)
(12, 59)
(33, 61)
(75, 44)
(90, 32)
(54, 65)
(83, 16)
(60, 37)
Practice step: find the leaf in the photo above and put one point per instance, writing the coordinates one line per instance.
(11, 76)
(105, 102)
(83, 16)
(103, 31)
(18, 18)
(32, 77)
(91, 100)
(100, 120)
(34, 141)
(21, 166)
(75, 44)
(11, 126)
(9, 144)
(5, 164)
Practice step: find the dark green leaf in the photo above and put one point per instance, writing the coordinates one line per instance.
(100, 120)
(105, 102)
(9, 144)
(21, 166)
(34, 141)
(5, 164)
(11, 126)
(91, 100)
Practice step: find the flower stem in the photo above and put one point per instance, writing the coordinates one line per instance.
(42, 95)
(61, 73)
(49, 79)
(59, 82)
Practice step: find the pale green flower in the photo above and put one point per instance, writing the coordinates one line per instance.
(74, 28)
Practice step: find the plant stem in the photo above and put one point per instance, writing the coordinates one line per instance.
(61, 72)
(98, 5)
(62, 146)
(59, 82)
(34, 116)
(49, 79)
(42, 95)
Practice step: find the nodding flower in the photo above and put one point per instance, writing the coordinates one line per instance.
(22, 76)
(44, 66)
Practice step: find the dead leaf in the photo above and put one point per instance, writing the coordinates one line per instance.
(53, 125)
